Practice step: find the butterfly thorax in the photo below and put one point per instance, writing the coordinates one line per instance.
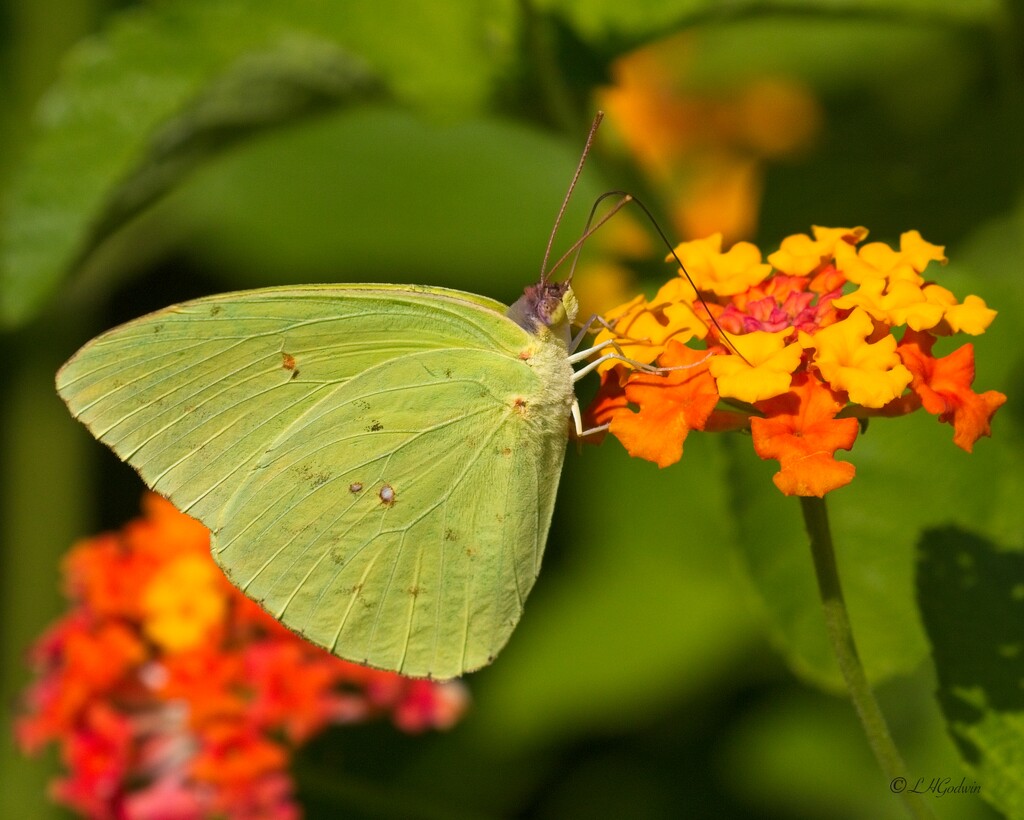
(546, 311)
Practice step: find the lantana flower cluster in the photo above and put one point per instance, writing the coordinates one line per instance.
(803, 346)
(171, 694)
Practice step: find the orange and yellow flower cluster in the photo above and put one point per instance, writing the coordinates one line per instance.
(171, 694)
(802, 346)
(705, 150)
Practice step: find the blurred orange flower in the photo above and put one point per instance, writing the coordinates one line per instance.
(796, 351)
(705, 150)
(171, 694)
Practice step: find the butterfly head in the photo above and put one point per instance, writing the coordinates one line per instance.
(546, 306)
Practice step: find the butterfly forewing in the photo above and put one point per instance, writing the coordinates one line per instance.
(190, 396)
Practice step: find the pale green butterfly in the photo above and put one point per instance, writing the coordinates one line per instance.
(377, 464)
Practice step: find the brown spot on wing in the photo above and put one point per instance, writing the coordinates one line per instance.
(316, 478)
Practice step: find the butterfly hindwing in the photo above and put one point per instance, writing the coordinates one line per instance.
(400, 522)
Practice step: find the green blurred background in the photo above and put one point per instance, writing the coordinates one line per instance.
(671, 661)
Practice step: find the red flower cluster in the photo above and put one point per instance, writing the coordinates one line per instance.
(172, 695)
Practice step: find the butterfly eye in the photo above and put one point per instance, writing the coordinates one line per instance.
(551, 311)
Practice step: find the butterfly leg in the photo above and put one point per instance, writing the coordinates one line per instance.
(577, 419)
(618, 356)
(576, 355)
(587, 326)
(594, 319)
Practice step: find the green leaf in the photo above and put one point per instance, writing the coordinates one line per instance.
(467, 204)
(645, 608)
(171, 84)
(775, 550)
(971, 594)
(782, 757)
(801, 753)
(632, 23)
(875, 522)
(259, 92)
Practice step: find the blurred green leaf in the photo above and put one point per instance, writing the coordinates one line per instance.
(781, 756)
(982, 490)
(467, 204)
(775, 550)
(971, 594)
(259, 92)
(644, 608)
(875, 522)
(46, 507)
(170, 84)
(631, 23)
(923, 67)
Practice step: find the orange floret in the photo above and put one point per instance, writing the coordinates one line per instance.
(800, 430)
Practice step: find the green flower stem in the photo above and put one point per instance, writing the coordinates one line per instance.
(837, 621)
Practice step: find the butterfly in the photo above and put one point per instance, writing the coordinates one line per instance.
(377, 464)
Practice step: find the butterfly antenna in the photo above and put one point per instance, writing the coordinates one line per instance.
(626, 198)
(588, 231)
(568, 195)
